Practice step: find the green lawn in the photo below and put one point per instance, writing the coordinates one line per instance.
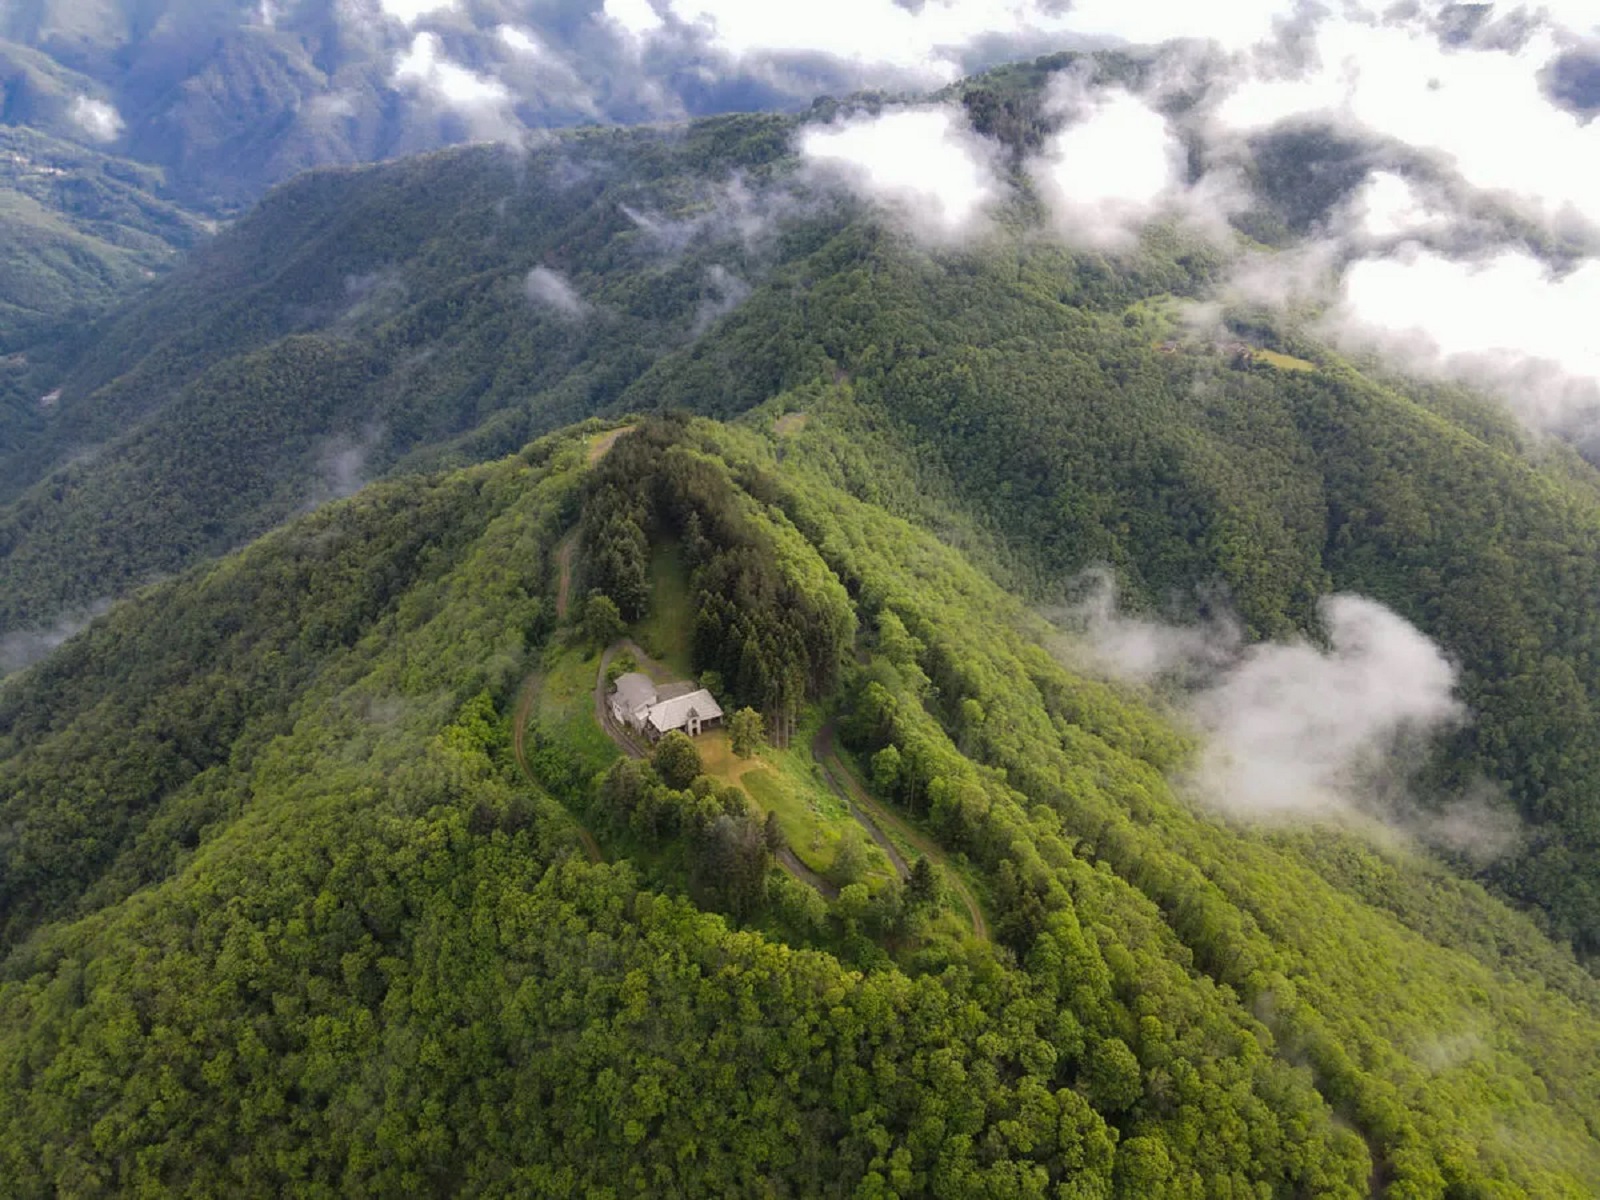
(668, 628)
(786, 782)
(1285, 362)
(565, 711)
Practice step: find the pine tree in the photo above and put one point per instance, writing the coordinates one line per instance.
(923, 886)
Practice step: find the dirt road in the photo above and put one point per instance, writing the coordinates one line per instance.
(564, 563)
(844, 782)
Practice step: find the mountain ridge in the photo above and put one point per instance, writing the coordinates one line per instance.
(367, 879)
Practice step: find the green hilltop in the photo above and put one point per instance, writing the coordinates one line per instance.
(306, 890)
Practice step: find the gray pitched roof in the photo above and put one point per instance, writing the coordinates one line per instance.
(674, 713)
(635, 691)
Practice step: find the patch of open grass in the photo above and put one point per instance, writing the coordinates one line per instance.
(565, 710)
(668, 628)
(1285, 362)
(787, 782)
(601, 443)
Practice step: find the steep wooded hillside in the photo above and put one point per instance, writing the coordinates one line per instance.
(284, 912)
(445, 309)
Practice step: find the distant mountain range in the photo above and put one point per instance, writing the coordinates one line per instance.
(149, 120)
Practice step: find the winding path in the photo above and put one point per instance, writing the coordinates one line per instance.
(791, 863)
(564, 564)
(861, 804)
(855, 799)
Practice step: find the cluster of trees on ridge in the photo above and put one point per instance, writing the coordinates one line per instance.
(377, 961)
(773, 640)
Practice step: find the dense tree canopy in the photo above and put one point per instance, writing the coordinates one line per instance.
(362, 953)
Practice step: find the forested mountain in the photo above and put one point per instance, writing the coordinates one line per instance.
(448, 308)
(284, 914)
(321, 872)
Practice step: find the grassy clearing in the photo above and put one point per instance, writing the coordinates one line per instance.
(565, 711)
(788, 783)
(603, 442)
(790, 423)
(1284, 362)
(666, 630)
(719, 760)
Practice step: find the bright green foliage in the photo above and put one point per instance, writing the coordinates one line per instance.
(676, 760)
(1011, 397)
(601, 623)
(747, 732)
(922, 887)
(321, 935)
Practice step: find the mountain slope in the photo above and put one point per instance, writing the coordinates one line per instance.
(362, 322)
(331, 914)
(419, 271)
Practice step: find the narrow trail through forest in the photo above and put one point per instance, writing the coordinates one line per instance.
(605, 441)
(519, 729)
(822, 751)
(861, 804)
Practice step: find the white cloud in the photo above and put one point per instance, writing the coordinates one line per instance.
(96, 118)
(924, 164)
(342, 465)
(1482, 111)
(636, 17)
(933, 39)
(550, 289)
(1388, 206)
(726, 212)
(927, 42)
(1106, 173)
(1298, 730)
(520, 41)
(1507, 321)
(1234, 25)
(724, 291)
(484, 104)
(23, 647)
(1142, 650)
(331, 106)
(540, 74)
(1117, 165)
(409, 12)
